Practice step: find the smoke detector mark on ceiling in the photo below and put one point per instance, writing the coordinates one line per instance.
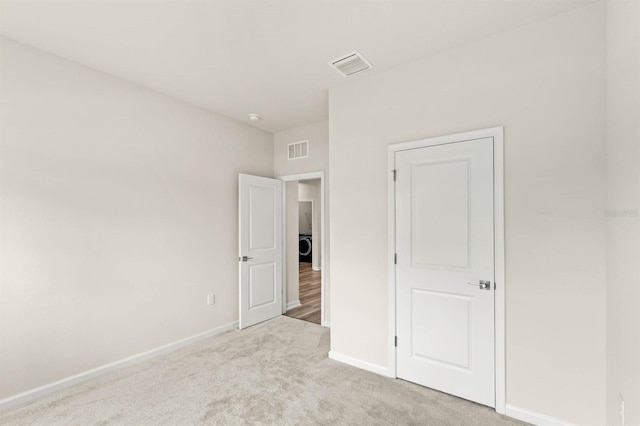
(351, 64)
(297, 150)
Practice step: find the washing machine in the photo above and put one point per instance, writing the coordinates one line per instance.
(304, 248)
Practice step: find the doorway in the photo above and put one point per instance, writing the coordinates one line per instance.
(303, 224)
(447, 286)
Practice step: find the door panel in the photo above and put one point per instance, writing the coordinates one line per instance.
(444, 241)
(449, 345)
(440, 213)
(260, 257)
(262, 211)
(262, 285)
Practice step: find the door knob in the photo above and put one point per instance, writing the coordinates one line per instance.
(482, 285)
(244, 258)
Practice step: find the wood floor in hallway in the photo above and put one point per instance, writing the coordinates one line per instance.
(309, 309)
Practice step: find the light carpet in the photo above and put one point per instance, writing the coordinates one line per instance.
(276, 372)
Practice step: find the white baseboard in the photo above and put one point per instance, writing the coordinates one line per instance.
(41, 391)
(383, 371)
(293, 304)
(533, 418)
(316, 268)
(326, 323)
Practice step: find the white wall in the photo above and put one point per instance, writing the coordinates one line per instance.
(623, 232)
(305, 212)
(291, 235)
(545, 84)
(318, 160)
(316, 255)
(119, 216)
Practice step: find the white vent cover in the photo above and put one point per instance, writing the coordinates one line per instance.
(297, 150)
(351, 64)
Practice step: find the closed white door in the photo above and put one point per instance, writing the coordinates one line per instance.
(260, 257)
(445, 268)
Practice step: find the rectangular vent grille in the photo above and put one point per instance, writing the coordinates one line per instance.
(298, 150)
(351, 64)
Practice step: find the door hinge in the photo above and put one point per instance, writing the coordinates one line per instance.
(394, 174)
(395, 258)
(396, 341)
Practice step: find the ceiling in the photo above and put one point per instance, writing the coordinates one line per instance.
(268, 57)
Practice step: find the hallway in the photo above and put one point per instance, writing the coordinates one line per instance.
(309, 309)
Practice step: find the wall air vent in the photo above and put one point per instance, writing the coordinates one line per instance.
(297, 150)
(351, 64)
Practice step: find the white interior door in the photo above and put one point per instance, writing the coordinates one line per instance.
(260, 257)
(445, 251)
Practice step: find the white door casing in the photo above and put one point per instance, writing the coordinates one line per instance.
(260, 249)
(446, 226)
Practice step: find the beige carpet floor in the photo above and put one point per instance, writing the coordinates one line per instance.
(274, 373)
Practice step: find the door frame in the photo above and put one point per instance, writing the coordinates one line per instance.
(497, 133)
(299, 177)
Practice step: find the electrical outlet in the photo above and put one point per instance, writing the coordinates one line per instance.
(621, 409)
(211, 299)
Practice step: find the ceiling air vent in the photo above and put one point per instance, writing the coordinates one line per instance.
(297, 150)
(351, 64)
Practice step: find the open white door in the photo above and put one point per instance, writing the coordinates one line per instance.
(260, 257)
